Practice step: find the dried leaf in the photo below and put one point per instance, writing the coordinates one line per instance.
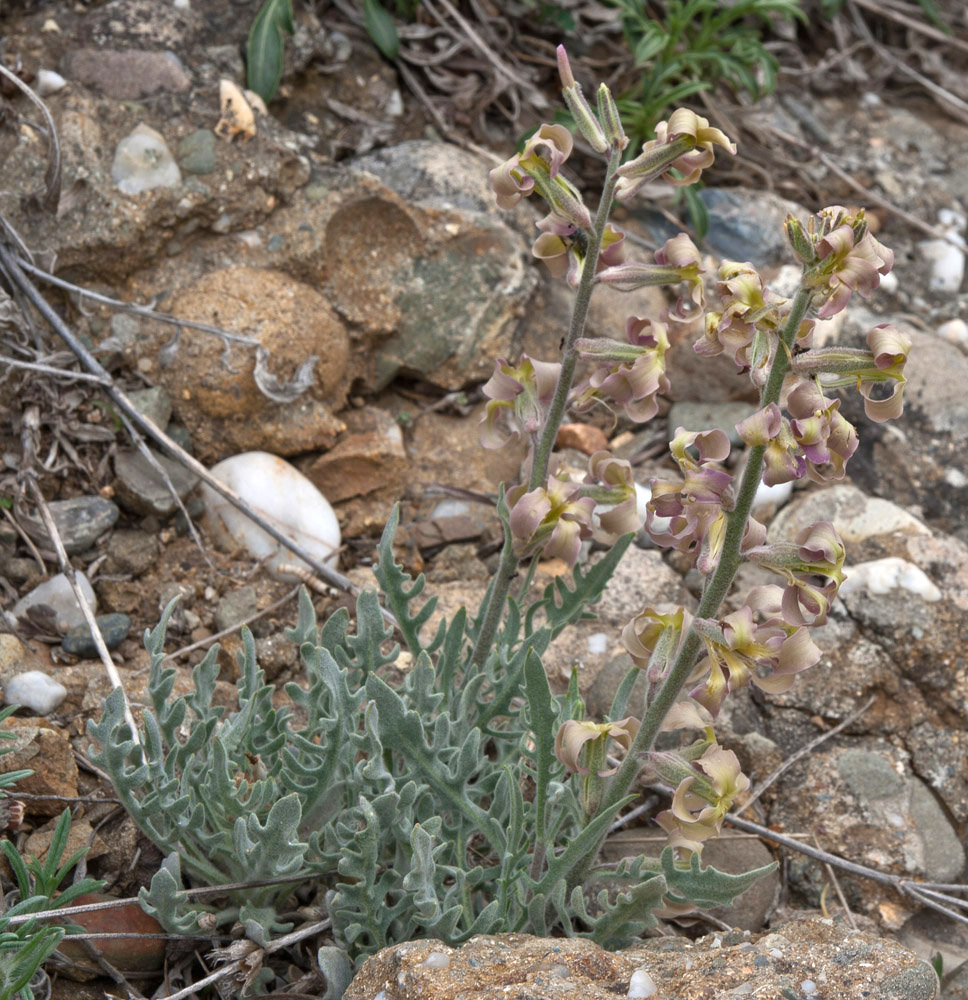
(274, 388)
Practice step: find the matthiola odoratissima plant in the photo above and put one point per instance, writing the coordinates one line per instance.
(466, 798)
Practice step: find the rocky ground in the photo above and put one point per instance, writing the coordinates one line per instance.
(349, 231)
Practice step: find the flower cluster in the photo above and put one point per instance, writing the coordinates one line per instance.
(691, 662)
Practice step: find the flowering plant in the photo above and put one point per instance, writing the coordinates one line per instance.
(467, 799)
(694, 661)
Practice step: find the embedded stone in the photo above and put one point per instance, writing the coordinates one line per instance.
(79, 522)
(80, 641)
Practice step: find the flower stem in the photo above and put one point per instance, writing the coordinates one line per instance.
(497, 597)
(714, 593)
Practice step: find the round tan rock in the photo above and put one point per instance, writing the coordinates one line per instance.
(214, 389)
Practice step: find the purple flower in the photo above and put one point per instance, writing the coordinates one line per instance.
(519, 394)
(630, 375)
(552, 520)
(736, 646)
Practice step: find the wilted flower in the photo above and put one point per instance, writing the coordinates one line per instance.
(782, 460)
(518, 393)
(573, 739)
(564, 248)
(583, 748)
(551, 520)
(652, 638)
(614, 489)
(826, 438)
(538, 168)
(747, 307)
(818, 551)
(684, 143)
(631, 374)
(694, 506)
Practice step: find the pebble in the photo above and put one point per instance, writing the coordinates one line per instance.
(281, 494)
(80, 522)
(641, 984)
(141, 488)
(880, 576)
(143, 161)
(196, 152)
(36, 691)
(56, 593)
(79, 641)
(153, 403)
(49, 82)
(235, 607)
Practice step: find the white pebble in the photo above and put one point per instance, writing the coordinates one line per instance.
(597, 642)
(809, 987)
(436, 960)
(880, 576)
(889, 283)
(283, 496)
(955, 478)
(36, 691)
(49, 82)
(143, 161)
(772, 496)
(955, 331)
(641, 984)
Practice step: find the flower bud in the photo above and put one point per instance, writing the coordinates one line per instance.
(579, 107)
(802, 244)
(610, 118)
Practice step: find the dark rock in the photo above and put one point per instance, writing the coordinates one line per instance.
(80, 642)
(141, 489)
(80, 522)
(196, 152)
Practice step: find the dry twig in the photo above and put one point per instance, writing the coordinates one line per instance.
(68, 570)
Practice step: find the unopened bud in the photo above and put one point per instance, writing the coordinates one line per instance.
(800, 241)
(611, 120)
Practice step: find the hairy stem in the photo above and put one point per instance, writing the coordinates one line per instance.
(497, 597)
(714, 593)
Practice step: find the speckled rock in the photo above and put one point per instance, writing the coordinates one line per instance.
(80, 522)
(369, 457)
(863, 803)
(215, 392)
(126, 75)
(836, 962)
